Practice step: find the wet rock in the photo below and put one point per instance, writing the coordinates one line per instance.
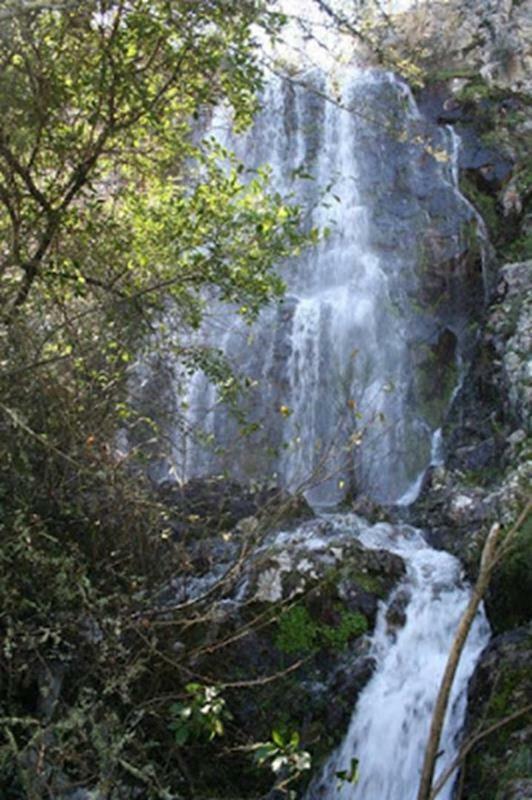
(294, 563)
(477, 456)
(348, 682)
(488, 447)
(499, 765)
(396, 612)
(357, 598)
(366, 507)
(208, 505)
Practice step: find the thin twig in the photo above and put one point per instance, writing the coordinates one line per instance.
(468, 746)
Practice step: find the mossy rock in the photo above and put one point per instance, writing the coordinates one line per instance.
(485, 203)
(500, 688)
(436, 376)
(510, 598)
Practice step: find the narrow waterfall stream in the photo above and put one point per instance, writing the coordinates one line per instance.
(390, 725)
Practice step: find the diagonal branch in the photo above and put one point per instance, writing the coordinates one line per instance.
(471, 743)
(491, 553)
(24, 173)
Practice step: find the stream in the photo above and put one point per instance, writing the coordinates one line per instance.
(390, 725)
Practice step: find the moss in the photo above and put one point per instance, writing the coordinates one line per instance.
(505, 754)
(351, 625)
(449, 74)
(484, 476)
(373, 584)
(485, 204)
(510, 602)
(519, 765)
(506, 686)
(436, 382)
(520, 249)
(523, 177)
(299, 632)
(475, 90)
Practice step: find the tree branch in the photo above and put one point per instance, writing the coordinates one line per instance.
(491, 554)
(24, 173)
(470, 744)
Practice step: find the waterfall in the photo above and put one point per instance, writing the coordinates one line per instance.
(390, 726)
(352, 374)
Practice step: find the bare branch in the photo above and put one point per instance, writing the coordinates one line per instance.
(491, 555)
(471, 743)
(24, 173)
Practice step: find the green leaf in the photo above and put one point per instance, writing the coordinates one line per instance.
(277, 738)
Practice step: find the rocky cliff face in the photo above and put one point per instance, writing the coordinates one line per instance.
(475, 61)
(488, 479)
(489, 37)
(488, 470)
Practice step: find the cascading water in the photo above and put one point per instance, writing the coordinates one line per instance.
(354, 372)
(390, 726)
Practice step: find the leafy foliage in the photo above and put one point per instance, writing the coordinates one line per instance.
(109, 200)
(115, 212)
(350, 775)
(284, 757)
(201, 716)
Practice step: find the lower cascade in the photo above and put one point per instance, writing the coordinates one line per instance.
(389, 729)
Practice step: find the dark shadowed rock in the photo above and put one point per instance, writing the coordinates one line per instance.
(500, 765)
(518, 789)
(209, 505)
(477, 456)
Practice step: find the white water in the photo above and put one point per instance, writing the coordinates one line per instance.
(390, 726)
(342, 352)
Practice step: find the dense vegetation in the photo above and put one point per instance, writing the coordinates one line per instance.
(113, 211)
